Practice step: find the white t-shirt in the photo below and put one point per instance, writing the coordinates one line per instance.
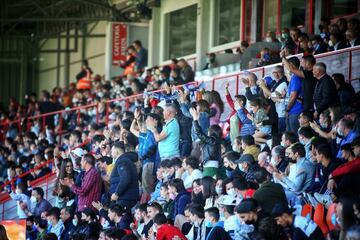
(188, 179)
(280, 106)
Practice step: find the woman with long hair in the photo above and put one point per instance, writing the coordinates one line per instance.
(3, 235)
(216, 106)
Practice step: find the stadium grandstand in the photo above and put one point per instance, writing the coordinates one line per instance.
(180, 120)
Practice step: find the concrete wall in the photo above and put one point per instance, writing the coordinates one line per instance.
(90, 48)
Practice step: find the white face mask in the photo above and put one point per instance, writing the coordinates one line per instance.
(17, 191)
(273, 162)
(268, 39)
(231, 192)
(75, 222)
(33, 199)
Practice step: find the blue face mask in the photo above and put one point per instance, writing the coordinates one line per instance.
(208, 224)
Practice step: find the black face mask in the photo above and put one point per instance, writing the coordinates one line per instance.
(252, 222)
(290, 160)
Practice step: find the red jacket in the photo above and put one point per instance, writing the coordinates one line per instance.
(168, 232)
(349, 167)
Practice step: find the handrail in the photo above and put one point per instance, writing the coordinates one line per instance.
(10, 182)
(18, 121)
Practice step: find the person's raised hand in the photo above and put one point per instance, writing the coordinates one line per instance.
(194, 113)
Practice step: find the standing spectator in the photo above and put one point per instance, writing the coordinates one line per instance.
(345, 90)
(216, 106)
(252, 90)
(37, 198)
(141, 56)
(325, 91)
(308, 80)
(169, 138)
(210, 145)
(124, 185)
(21, 199)
(294, 98)
(277, 92)
(186, 71)
(46, 106)
(90, 188)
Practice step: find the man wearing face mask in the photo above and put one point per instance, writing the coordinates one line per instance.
(288, 138)
(55, 224)
(300, 176)
(230, 159)
(211, 62)
(66, 218)
(39, 204)
(21, 199)
(269, 193)
(278, 159)
(346, 132)
(248, 166)
(306, 134)
(199, 231)
(250, 213)
(212, 217)
(226, 206)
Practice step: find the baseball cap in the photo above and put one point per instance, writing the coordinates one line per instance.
(78, 152)
(247, 205)
(227, 200)
(281, 208)
(248, 158)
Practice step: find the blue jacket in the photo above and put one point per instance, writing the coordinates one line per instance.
(180, 202)
(247, 127)
(148, 150)
(141, 58)
(124, 178)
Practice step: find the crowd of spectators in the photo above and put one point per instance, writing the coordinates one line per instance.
(167, 169)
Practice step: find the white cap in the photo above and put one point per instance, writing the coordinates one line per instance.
(227, 200)
(78, 152)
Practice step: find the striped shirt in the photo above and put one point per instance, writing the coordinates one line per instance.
(90, 189)
(57, 229)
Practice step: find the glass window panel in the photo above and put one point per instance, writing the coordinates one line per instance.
(343, 7)
(182, 32)
(292, 13)
(227, 21)
(270, 15)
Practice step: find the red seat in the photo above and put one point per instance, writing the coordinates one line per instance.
(319, 218)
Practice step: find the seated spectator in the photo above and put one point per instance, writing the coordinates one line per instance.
(39, 204)
(345, 90)
(258, 118)
(300, 227)
(300, 176)
(212, 217)
(278, 161)
(248, 146)
(199, 229)
(56, 226)
(22, 200)
(269, 193)
(248, 166)
(192, 171)
(179, 195)
(165, 231)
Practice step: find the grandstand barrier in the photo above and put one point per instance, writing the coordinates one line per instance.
(345, 61)
(47, 183)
